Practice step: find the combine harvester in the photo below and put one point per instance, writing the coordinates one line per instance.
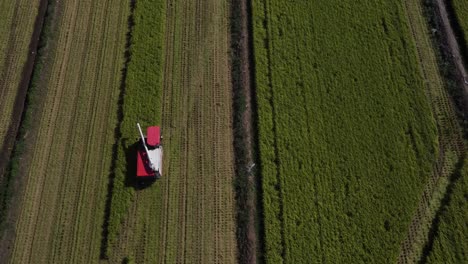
(150, 154)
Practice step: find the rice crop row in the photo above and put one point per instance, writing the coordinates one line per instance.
(141, 101)
(347, 138)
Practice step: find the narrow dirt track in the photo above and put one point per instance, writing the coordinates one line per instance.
(245, 135)
(188, 215)
(453, 45)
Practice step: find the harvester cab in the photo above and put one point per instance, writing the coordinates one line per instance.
(150, 153)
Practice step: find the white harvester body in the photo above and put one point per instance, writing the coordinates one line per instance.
(154, 154)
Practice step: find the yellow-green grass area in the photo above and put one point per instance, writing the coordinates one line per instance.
(347, 138)
(16, 26)
(450, 243)
(178, 78)
(61, 207)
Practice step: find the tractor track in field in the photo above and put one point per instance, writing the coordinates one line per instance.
(450, 140)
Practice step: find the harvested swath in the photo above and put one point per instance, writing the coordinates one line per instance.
(347, 140)
(18, 20)
(63, 202)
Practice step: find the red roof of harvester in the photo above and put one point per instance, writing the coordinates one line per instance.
(153, 135)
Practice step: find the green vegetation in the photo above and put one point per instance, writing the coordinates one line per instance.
(141, 99)
(450, 243)
(347, 140)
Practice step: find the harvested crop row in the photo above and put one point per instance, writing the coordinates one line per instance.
(347, 139)
(63, 202)
(17, 19)
(187, 215)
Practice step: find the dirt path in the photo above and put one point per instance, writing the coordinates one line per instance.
(453, 46)
(242, 70)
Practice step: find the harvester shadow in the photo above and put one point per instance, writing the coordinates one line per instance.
(131, 160)
(117, 134)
